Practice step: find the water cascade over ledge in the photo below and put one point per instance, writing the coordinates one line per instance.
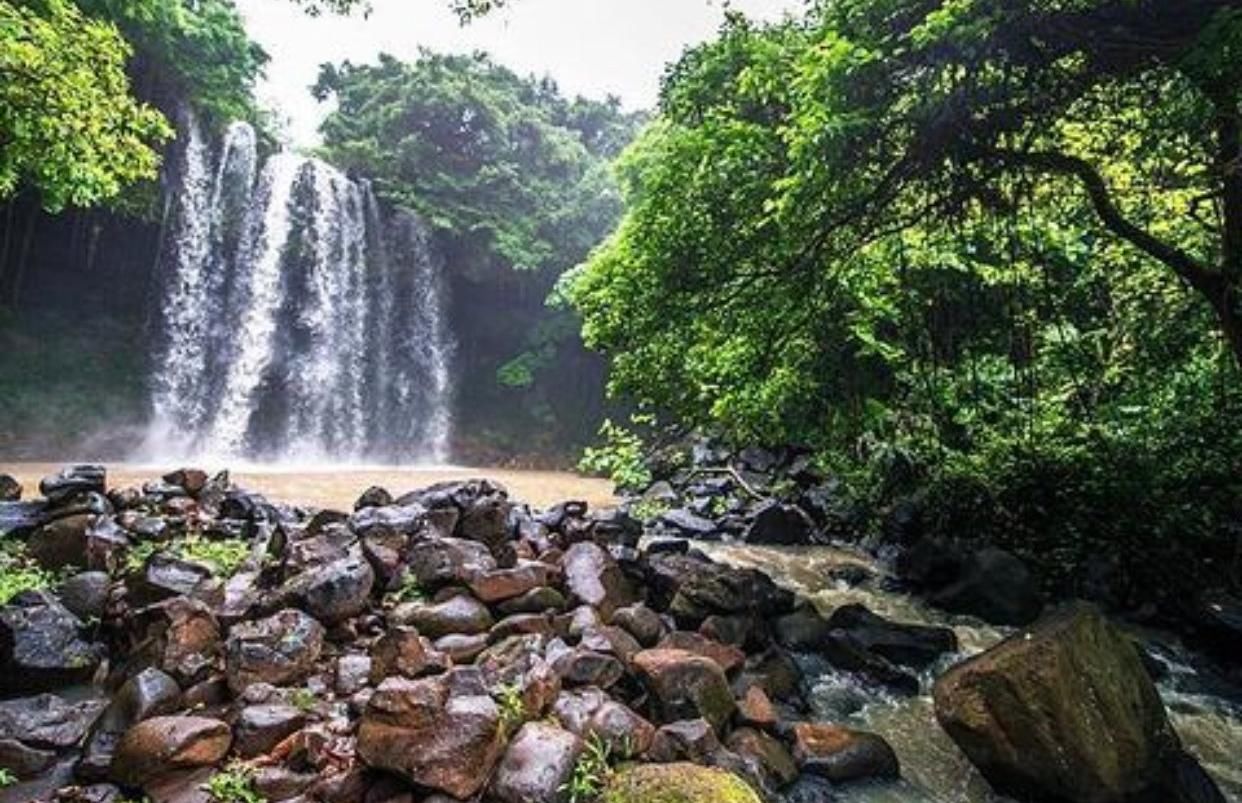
(299, 320)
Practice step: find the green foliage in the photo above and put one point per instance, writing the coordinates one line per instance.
(591, 772)
(490, 157)
(18, 572)
(512, 708)
(7, 778)
(224, 556)
(303, 699)
(197, 52)
(69, 128)
(944, 255)
(410, 590)
(515, 179)
(619, 457)
(233, 785)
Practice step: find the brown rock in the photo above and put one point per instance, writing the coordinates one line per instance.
(260, 727)
(688, 740)
(1067, 711)
(161, 746)
(537, 765)
(686, 686)
(729, 657)
(756, 709)
(627, 734)
(841, 754)
(402, 651)
(503, 584)
(279, 650)
(593, 578)
(777, 766)
(416, 729)
(460, 614)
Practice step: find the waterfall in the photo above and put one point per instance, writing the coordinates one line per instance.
(299, 319)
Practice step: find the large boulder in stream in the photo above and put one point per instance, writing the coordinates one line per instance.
(1066, 712)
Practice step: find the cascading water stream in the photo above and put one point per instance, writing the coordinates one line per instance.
(299, 321)
(1206, 714)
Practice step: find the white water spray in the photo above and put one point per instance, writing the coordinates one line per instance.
(298, 320)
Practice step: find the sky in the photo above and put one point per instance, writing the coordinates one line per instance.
(590, 47)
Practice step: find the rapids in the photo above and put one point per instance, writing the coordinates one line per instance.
(1206, 711)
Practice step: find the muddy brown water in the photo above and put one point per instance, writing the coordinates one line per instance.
(338, 487)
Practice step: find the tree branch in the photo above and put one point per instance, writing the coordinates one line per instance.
(1198, 275)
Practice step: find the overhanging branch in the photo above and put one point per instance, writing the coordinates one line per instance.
(1194, 272)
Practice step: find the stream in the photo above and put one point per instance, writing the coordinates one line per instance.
(1205, 710)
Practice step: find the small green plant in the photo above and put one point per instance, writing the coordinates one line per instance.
(648, 509)
(18, 573)
(620, 457)
(409, 591)
(227, 554)
(591, 772)
(303, 699)
(512, 708)
(7, 779)
(235, 784)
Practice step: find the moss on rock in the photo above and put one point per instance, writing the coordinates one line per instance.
(677, 783)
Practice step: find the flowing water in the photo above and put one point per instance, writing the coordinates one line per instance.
(1206, 712)
(299, 319)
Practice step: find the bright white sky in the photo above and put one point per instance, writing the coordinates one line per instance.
(590, 47)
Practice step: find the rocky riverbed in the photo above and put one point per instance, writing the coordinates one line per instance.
(189, 641)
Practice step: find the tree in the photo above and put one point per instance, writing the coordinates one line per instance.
(69, 126)
(514, 178)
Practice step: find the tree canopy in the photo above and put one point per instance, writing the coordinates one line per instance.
(69, 126)
(993, 240)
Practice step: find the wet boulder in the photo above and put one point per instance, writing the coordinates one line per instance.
(279, 650)
(688, 524)
(1066, 711)
(503, 584)
(17, 519)
(260, 727)
(780, 524)
(42, 647)
(536, 766)
(401, 651)
(686, 686)
(640, 622)
(149, 693)
(625, 733)
(842, 754)
(179, 636)
(334, 591)
(692, 588)
(85, 594)
(437, 562)
(10, 489)
(161, 746)
(404, 520)
(375, 496)
(685, 740)
(460, 614)
(47, 721)
(593, 578)
(190, 480)
(165, 576)
(676, 783)
(436, 740)
(72, 481)
(993, 585)
(906, 644)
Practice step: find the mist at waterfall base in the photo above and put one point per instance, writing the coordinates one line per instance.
(299, 321)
